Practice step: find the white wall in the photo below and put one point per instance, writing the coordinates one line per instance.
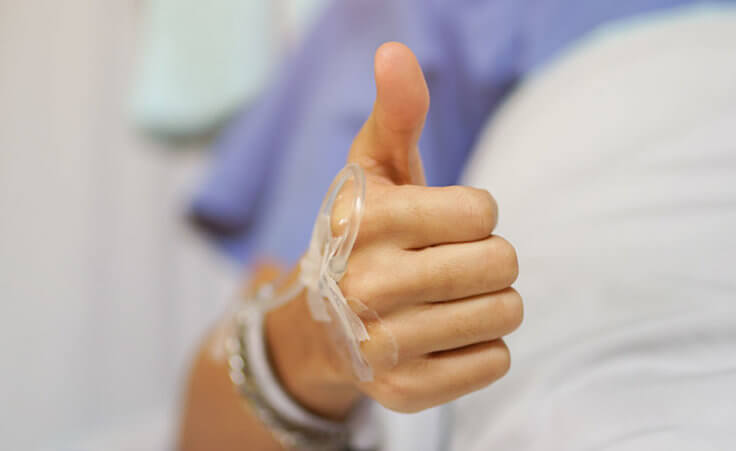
(103, 289)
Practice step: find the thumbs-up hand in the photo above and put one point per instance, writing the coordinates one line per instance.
(425, 261)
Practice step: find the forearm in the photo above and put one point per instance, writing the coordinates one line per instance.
(215, 416)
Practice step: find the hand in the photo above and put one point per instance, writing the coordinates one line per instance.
(425, 261)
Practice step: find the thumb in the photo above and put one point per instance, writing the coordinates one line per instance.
(386, 146)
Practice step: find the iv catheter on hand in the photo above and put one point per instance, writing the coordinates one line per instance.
(325, 263)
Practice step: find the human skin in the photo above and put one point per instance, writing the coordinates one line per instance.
(426, 261)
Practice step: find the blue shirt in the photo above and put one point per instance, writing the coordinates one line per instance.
(275, 161)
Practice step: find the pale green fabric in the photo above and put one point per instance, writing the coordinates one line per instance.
(201, 61)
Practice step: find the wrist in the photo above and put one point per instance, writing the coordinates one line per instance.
(305, 363)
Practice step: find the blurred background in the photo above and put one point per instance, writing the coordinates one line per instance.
(104, 288)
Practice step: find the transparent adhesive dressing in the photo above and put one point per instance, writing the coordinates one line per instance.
(324, 265)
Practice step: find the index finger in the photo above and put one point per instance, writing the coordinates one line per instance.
(416, 217)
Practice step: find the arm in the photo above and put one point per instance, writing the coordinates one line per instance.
(216, 417)
(425, 261)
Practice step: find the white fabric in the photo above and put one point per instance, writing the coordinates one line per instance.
(422, 431)
(615, 172)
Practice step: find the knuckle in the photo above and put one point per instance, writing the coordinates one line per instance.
(487, 210)
(394, 393)
(497, 364)
(358, 285)
(508, 260)
(438, 276)
(379, 350)
(467, 330)
(368, 284)
(513, 310)
(477, 209)
(410, 408)
(378, 214)
(504, 362)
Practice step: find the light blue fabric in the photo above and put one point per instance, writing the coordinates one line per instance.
(201, 61)
(275, 162)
